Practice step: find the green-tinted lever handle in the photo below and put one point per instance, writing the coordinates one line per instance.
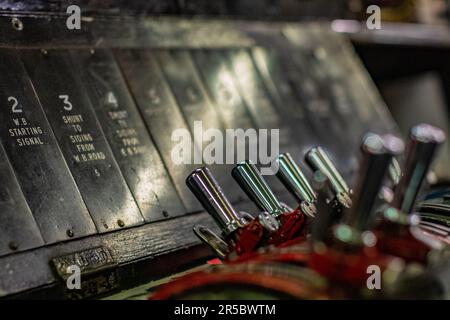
(295, 181)
(317, 159)
(251, 181)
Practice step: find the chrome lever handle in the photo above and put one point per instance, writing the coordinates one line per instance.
(295, 181)
(377, 154)
(423, 143)
(251, 181)
(216, 243)
(317, 159)
(325, 215)
(206, 189)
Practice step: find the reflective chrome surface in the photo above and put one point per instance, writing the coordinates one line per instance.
(206, 189)
(377, 153)
(423, 143)
(217, 244)
(295, 181)
(319, 160)
(251, 181)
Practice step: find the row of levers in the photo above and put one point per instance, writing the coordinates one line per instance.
(382, 237)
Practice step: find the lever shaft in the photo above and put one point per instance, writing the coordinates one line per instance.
(206, 189)
(317, 159)
(251, 181)
(423, 143)
(295, 181)
(377, 154)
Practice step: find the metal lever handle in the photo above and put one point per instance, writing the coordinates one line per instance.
(216, 243)
(317, 159)
(377, 153)
(206, 189)
(295, 181)
(424, 141)
(325, 215)
(395, 172)
(251, 181)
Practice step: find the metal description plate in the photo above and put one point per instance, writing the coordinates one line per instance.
(326, 69)
(161, 115)
(194, 103)
(81, 139)
(98, 272)
(368, 102)
(125, 130)
(279, 88)
(219, 80)
(262, 110)
(257, 99)
(284, 81)
(18, 229)
(222, 89)
(319, 103)
(316, 104)
(89, 261)
(34, 154)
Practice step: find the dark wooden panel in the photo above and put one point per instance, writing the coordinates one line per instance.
(314, 56)
(81, 140)
(256, 97)
(125, 130)
(337, 72)
(39, 165)
(284, 99)
(369, 102)
(262, 110)
(222, 87)
(160, 113)
(128, 246)
(124, 32)
(18, 229)
(196, 106)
